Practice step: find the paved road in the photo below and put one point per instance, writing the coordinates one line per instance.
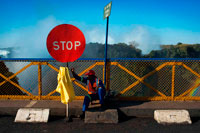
(57, 124)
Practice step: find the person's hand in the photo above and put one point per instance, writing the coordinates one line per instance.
(72, 69)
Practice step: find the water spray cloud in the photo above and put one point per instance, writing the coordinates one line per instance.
(31, 41)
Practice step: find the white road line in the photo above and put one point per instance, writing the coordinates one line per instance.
(31, 104)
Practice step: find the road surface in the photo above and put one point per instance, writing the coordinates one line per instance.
(58, 125)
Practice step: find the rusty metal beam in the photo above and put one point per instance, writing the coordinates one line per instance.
(13, 83)
(173, 79)
(21, 70)
(39, 81)
(54, 68)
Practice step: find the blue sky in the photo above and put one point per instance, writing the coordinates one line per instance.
(26, 23)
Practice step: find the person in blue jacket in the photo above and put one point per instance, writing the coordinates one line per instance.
(95, 87)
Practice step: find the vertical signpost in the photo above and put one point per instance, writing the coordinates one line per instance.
(107, 10)
(66, 43)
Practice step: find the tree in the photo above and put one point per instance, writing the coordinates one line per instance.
(8, 88)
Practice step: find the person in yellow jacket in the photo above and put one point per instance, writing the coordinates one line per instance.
(96, 89)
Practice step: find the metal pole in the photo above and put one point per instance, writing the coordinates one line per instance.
(67, 110)
(173, 76)
(39, 81)
(105, 60)
(67, 105)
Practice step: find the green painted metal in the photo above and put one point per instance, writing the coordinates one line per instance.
(107, 10)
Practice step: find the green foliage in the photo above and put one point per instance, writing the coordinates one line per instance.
(179, 43)
(8, 88)
(120, 50)
(123, 50)
(176, 51)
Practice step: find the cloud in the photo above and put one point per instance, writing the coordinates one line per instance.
(94, 33)
(150, 38)
(146, 38)
(98, 35)
(30, 42)
(173, 36)
(4, 53)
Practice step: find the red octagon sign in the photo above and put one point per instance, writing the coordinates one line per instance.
(66, 43)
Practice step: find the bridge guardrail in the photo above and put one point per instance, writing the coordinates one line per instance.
(128, 79)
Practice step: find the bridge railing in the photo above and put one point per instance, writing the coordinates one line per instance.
(127, 79)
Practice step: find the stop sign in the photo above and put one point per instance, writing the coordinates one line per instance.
(65, 43)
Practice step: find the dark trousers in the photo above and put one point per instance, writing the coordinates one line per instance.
(90, 97)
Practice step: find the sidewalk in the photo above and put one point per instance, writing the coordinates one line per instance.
(129, 108)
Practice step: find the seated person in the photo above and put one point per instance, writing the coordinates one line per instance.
(96, 89)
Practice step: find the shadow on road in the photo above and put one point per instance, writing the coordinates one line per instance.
(195, 119)
(123, 117)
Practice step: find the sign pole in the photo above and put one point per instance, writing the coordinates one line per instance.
(70, 35)
(67, 105)
(107, 10)
(105, 60)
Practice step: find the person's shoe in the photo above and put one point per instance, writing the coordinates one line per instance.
(82, 116)
(102, 107)
(68, 119)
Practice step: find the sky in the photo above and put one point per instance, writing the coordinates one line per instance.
(25, 24)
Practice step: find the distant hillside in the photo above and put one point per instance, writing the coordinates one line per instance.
(122, 50)
(176, 51)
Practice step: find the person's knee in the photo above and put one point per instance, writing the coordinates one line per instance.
(87, 98)
(101, 91)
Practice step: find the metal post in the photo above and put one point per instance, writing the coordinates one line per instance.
(39, 81)
(67, 110)
(105, 60)
(67, 105)
(173, 79)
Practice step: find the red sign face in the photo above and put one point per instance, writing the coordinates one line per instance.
(65, 43)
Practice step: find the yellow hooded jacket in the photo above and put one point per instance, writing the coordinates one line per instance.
(65, 87)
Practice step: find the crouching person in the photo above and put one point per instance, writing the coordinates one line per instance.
(96, 89)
